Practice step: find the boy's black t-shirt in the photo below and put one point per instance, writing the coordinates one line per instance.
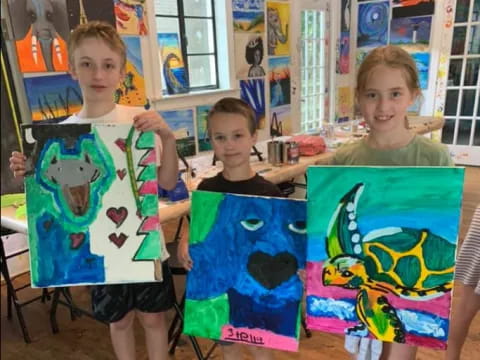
(256, 185)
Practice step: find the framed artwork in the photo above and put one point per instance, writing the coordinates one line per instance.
(174, 75)
(181, 123)
(412, 34)
(278, 22)
(131, 17)
(204, 143)
(253, 92)
(373, 24)
(279, 78)
(249, 55)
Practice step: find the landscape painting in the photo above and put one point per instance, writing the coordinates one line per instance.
(181, 123)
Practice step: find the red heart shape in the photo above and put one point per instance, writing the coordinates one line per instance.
(121, 173)
(120, 143)
(118, 216)
(118, 240)
(76, 240)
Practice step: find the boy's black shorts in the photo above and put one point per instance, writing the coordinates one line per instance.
(111, 303)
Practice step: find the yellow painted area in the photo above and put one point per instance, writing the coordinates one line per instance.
(135, 97)
(284, 13)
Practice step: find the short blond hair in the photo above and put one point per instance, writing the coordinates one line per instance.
(99, 30)
(391, 56)
(230, 105)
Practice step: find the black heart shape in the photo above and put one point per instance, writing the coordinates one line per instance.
(271, 271)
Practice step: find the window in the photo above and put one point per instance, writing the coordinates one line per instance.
(193, 22)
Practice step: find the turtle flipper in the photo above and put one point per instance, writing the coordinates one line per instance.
(342, 234)
(381, 319)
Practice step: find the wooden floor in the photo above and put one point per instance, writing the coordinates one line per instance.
(86, 339)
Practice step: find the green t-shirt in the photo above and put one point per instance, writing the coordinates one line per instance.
(419, 152)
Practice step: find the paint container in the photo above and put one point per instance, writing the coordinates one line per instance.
(291, 152)
(275, 152)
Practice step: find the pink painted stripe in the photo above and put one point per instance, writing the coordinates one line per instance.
(425, 341)
(151, 158)
(259, 337)
(149, 187)
(151, 223)
(331, 325)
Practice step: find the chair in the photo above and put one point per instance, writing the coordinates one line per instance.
(12, 297)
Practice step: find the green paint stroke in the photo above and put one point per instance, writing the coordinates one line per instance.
(149, 205)
(146, 140)
(206, 318)
(150, 247)
(204, 211)
(149, 172)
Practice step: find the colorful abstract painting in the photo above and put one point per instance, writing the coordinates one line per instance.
(244, 286)
(132, 89)
(174, 76)
(423, 65)
(253, 92)
(280, 121)
(239, 5)
(408, 8)
(40, 29)
(52, 98)
(412, 34)
(279, 79)
(373, 21)
(343, 61)
(83, 11)
(249, 21)
(181, 123)
(202, 133)
(249, 56)
(278, 23)
(381, 251)
(131, 18)
(92, 204)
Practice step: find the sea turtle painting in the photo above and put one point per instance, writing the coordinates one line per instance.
(410, 263)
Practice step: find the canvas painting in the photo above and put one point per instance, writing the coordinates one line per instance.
(92, 204)
(244, 285)
(249, 21)
(345, 16)
(280, 121)
(83, 11)
(131, 91)
(253, 92)
(423, 65)
(412, 34)
(249, 55)
(278, 23)
(204, 143)
(41, 33)
(131, 18)
(381, 251)
(279, 78)
(408, 8)
(344, 104)
(174, 76)
(373, 24)
(254, 5)
(343, 61)
(52, 98)
(181, 123)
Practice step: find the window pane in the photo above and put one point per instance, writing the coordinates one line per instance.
(461, 13)
(471, 72)
(476, 136)
(455, 72)
(200, 36)
(464, 131)
(458, 41)
(202, 70)
(474, 43)
(448, 131)
(166, 7)
(197, 7)
(451, 102)
(167, 25)
(476, 11)
(468, 101)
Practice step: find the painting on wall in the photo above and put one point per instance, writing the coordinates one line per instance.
(249, 55)
(256, 246)
(41, 33)
(280, 121)
(52, 98)
(92, 204)
(202, 133)
(382, 266)
(174, 75)
(249, 21)
(344, 104)
(131, 91)
(361, 54)
(254, 5)
(343, 61)
(278, 23)
(412, 34)
(181, 123)
(423, 65)
(279, 79)
(83, 11)
(131, 18)
(253, 93)
(408, 8)
(373, 24)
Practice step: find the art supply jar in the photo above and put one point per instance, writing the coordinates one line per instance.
(275, 152)
(291, 152)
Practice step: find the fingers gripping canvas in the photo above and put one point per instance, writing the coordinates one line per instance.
(244, 285)
(381, 251)
(92, 204)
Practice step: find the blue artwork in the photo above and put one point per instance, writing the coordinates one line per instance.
(248, 5)
(246, 253)
(134, 52)
(181, 123)
(405, 31)
(373, 24)
(253, 92)
(174, 75)
(423, 64)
